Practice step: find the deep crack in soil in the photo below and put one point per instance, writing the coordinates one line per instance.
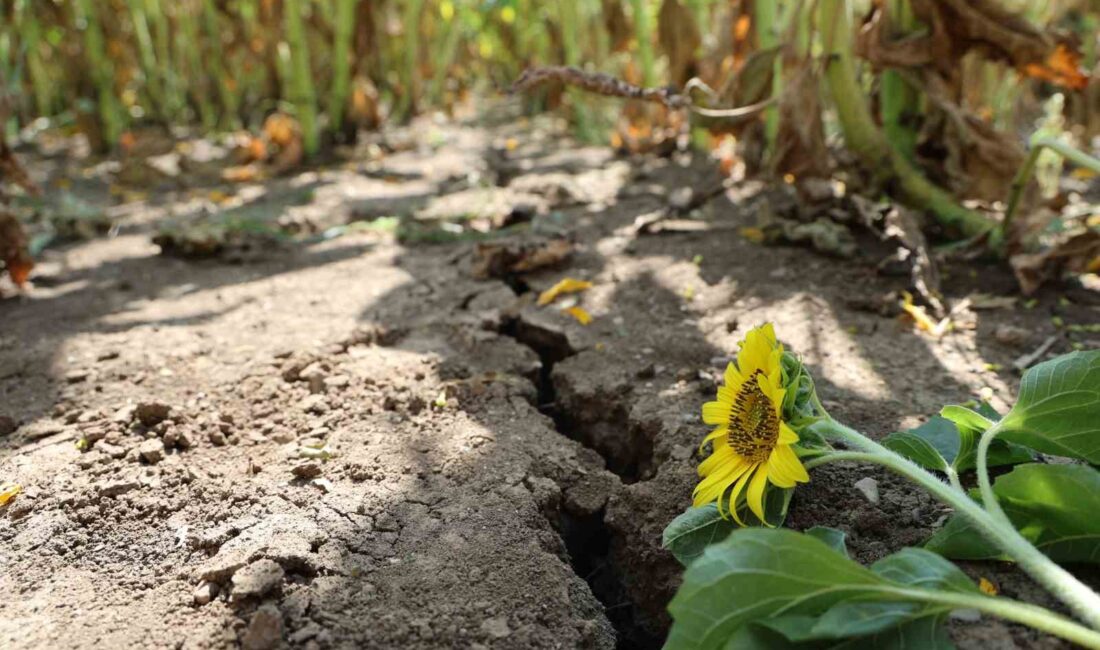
(587, 537)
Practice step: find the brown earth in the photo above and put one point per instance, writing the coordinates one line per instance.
(491, 473)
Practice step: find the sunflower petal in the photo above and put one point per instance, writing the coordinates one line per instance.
(733, 378)
(720, 432)
(786, 461)
(722, 454)
(726, 394)
(755, 496)
(753, 355)
(712, 487)
(716, 413)
(736, 492)
(787, 436)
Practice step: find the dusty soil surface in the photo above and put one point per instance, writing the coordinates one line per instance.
(350, 442)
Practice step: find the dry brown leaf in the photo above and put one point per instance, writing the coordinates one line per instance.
(959, 26)
(617, 25)
(679, 37)
(800, 143)
(873, 44)
(242, 173)
(1076, 254)
(1061, 67)
(979, 161)
(12, 172)
(281, 129)
(13, 249)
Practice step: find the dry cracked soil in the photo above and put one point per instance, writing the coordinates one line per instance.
(350, 442)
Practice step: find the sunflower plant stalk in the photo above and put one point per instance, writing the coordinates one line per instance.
(771, 429)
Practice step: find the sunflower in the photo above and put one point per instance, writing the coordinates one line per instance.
(752, 443)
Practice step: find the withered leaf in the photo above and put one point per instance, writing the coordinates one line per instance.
(679, 38)
(13, 249)
(1077, 254)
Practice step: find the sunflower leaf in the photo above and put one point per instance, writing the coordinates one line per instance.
(953, 437)
(831, 536)
(917, 449)
(695, 529)
(1053, 506)
(803, 588)
(1058, 411)
(926, 633)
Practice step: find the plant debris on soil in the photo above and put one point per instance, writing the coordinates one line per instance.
(349, 441)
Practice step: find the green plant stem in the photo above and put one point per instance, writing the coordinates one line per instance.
(643, 34)
(899, 101)
(147, 55)
(1020, 181)
(863, 137)
(1084, 602)
(111, 116)
(341, 68)
(407, 104)
(301, 82)
(217, 70)
(1008, 609)
(766, 19)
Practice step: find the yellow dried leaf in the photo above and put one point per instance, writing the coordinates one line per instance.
(8, 491)
(921, 318)
(566, 285)
(510, 144)
(753, 234)
(987, 587)
(217, 196)
(580, 314)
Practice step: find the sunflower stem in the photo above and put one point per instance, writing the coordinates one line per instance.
(1084, 602)
(1034, 616)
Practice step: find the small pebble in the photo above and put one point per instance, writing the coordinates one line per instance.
(204, 593)
(152, 451)
(310, 469)
(869, 488)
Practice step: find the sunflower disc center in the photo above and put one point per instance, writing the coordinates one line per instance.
(754, 426)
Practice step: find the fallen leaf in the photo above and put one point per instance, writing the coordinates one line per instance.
(13, 249)
(922, 319)
(578, 312)
(987, 587)
(8, 492)
(242, 173)
(753, 234)
(1077, 254)
(566, 285)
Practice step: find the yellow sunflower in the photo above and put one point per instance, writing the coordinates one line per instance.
(752, 443)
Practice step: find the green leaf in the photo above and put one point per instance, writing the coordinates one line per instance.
(694, 530)
(927, 633)
(953, 439)
(917, 449)
(831, 536)
(1053, 506)
(756, 574)
(1058, 411)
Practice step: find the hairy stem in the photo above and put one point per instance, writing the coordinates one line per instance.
(1011, 610)
(1084, 602)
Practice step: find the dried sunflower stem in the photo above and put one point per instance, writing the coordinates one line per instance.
(1084, 602)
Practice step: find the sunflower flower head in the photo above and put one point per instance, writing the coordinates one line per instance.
(751, 442)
